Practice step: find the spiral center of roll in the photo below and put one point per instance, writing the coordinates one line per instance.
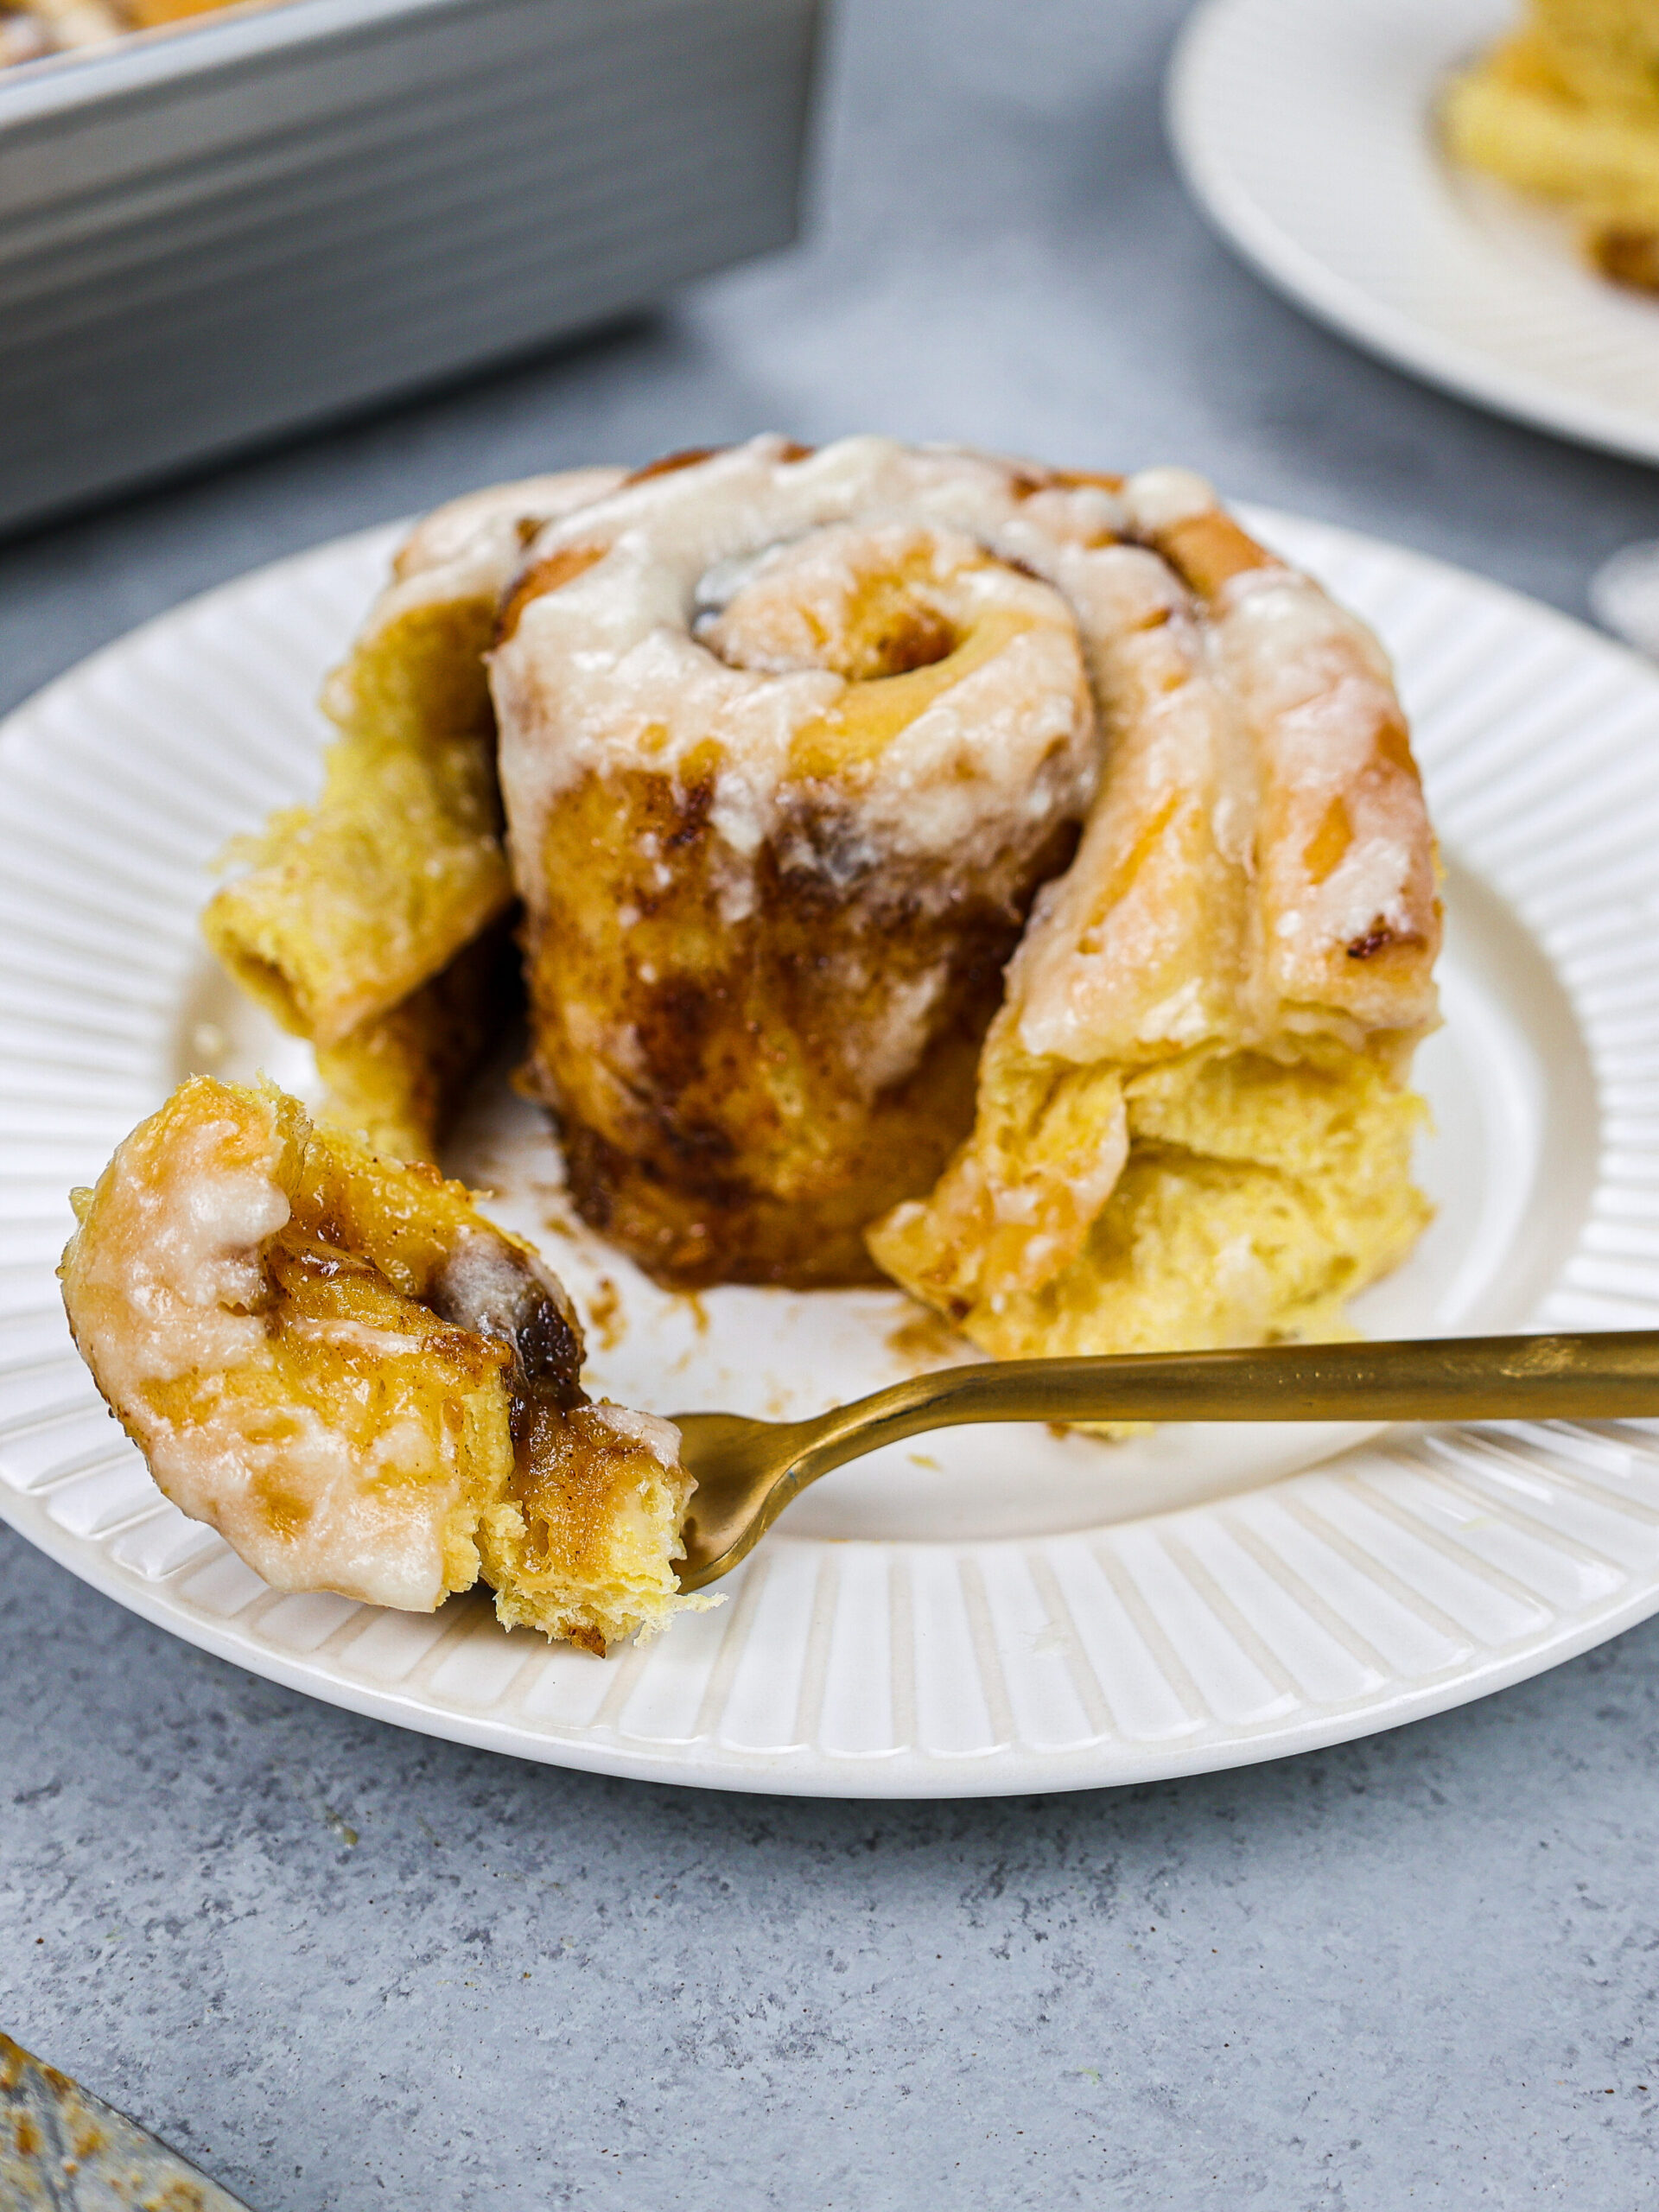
(902, 612)
(864, 603)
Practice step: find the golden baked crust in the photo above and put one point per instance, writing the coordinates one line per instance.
(335, 1359)
(1193, 1124)
(346, 913)
(788, 742)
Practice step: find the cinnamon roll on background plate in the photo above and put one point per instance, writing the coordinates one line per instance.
(1565, 108)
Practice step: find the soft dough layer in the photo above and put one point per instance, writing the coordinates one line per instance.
(336, 1361)
(788, 742)
(364, 923)
(1192, 1125)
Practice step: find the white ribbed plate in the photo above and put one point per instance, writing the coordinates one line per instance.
(1003, 1610)
(1306, 131)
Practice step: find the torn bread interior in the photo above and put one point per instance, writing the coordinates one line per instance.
(1194, 1125)
(365, 921)
(336, 1361)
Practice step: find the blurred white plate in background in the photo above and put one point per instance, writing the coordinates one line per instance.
(1305, 129)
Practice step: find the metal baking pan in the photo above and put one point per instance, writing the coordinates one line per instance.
(264, 218)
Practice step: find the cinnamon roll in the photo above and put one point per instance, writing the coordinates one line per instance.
(1193, 1125)
(788, 742)
(1566, 107)
(364, 923)
(336, 1361)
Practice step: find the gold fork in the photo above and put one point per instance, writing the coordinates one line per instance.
(748, 1470)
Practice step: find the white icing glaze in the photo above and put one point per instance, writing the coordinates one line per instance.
(606, 671)
(374, 1343)
(468, 548)
(649, 1431)
(184, 1217)
(1262, 712)
(1181, 1019)
(190, 1256)
(493, 1287)
(1158, 498)
(491, 518)
(1272, 682)
(1317, 689)
(1079, 514)
(1092, 979)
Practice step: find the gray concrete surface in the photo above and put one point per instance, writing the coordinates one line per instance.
(344, 1968)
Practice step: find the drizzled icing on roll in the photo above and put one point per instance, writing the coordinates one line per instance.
(647, 641)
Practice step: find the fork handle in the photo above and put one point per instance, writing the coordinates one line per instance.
(1595, 1376)
(751, 1470)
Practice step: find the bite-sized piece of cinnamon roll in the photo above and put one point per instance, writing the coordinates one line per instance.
(1193, 1126)
(336, 1361)
(788, 742)
(347, 911)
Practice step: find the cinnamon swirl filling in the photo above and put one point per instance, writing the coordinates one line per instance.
(789, 743)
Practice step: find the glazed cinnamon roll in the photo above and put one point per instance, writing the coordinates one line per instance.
(1193, 1123)
(1565, 108)
(364, 923)
(363, 1384)
(788, 742)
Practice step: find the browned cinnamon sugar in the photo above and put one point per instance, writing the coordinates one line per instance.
(743, 1151)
